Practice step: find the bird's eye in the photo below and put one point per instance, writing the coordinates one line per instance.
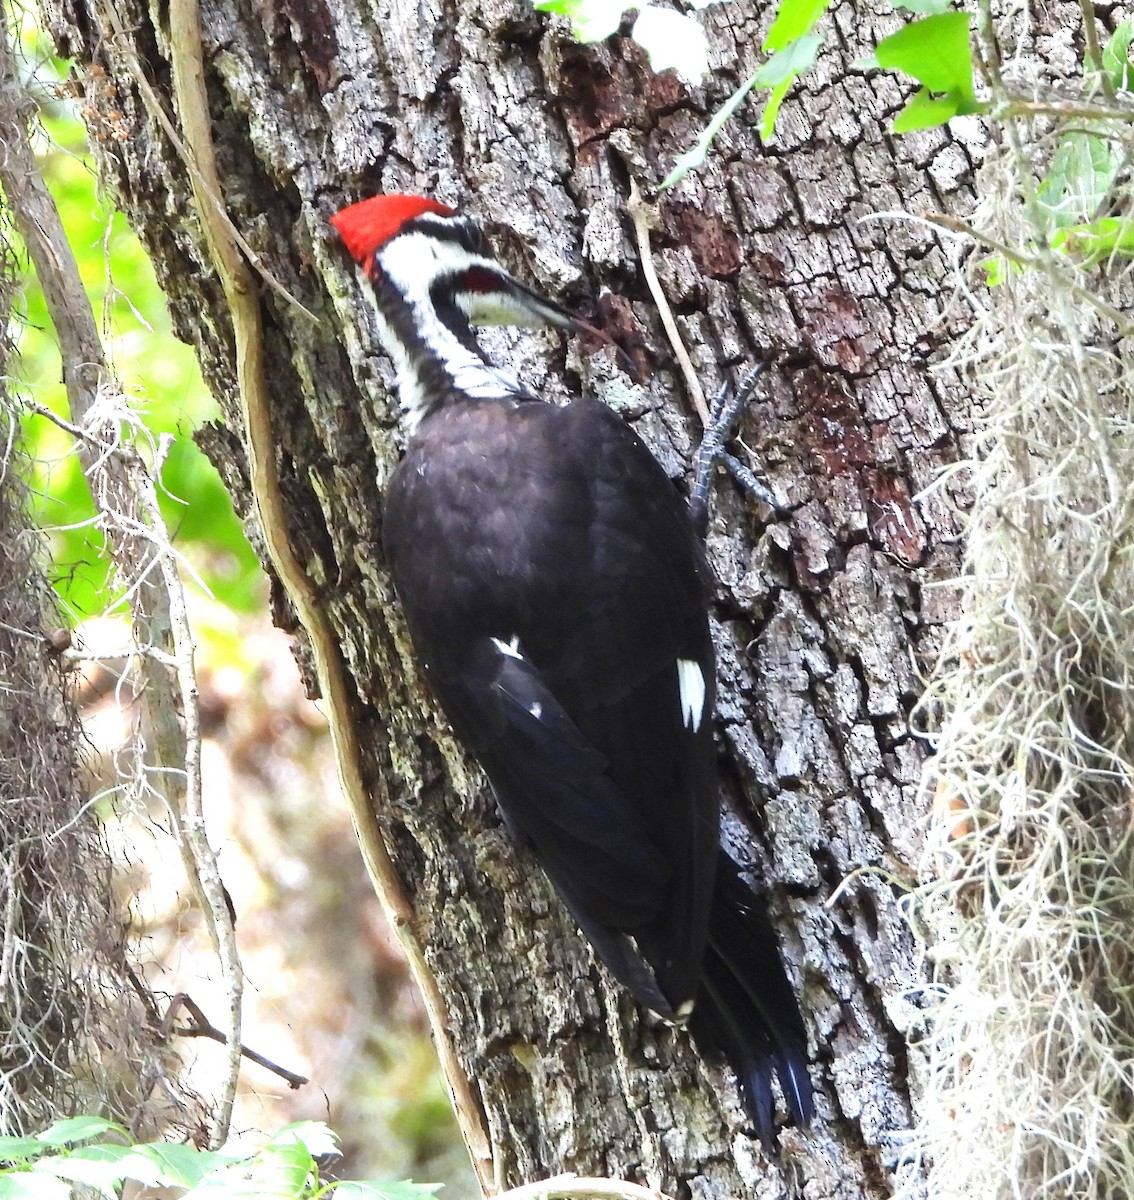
(473, 239)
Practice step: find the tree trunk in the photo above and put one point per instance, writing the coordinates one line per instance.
(822, 619)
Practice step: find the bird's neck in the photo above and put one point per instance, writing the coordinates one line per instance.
(436, 356)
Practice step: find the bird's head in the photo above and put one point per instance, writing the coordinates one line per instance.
(426, 250)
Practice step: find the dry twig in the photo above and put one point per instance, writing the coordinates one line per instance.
(640, 214)
(203, 1027)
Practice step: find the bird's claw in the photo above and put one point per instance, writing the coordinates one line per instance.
(723, 413)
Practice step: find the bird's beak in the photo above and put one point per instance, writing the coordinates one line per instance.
(547, 312)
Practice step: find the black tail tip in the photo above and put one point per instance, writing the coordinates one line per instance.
(799, 1097)
(747, 1009)
(759, 1052)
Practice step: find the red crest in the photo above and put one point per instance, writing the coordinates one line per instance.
(368, 225)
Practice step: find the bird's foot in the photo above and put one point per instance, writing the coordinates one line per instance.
(723, 413)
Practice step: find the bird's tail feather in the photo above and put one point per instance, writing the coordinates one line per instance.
(747, 1011)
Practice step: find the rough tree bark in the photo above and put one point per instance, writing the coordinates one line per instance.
(822, 616)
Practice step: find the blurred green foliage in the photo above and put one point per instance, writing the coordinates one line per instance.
(66, 1157)
(156, 369)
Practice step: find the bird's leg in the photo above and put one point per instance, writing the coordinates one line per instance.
(726, 407)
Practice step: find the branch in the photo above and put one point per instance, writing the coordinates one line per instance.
(203, 1027)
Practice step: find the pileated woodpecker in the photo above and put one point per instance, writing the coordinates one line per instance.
(554, 586)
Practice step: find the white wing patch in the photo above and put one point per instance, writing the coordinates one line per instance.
(512, 648)
(691, 686)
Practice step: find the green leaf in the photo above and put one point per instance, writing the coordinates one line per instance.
(781, 71)
(767, 128)
(695, 156)
(77, 1129)
(153, 1164)
(923, 110)
(281, 1171)
(591, 20)
(1092, 242)
(24, 1185)
(103, 1167)
(996, 269)
(276, 1172)
(794, 19)
(936, 52)
(368, 1189)
(1079, 179)
(178, 1165)
(790, 62)
(20, 1149)
(316, 1136)
(673, 39)
(1116, 56)
(778, 73)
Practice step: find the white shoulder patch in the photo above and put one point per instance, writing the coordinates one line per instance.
(691, 686)
(512, 648)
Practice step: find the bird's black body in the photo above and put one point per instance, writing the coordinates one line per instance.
(555, 590)
(563, 578)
